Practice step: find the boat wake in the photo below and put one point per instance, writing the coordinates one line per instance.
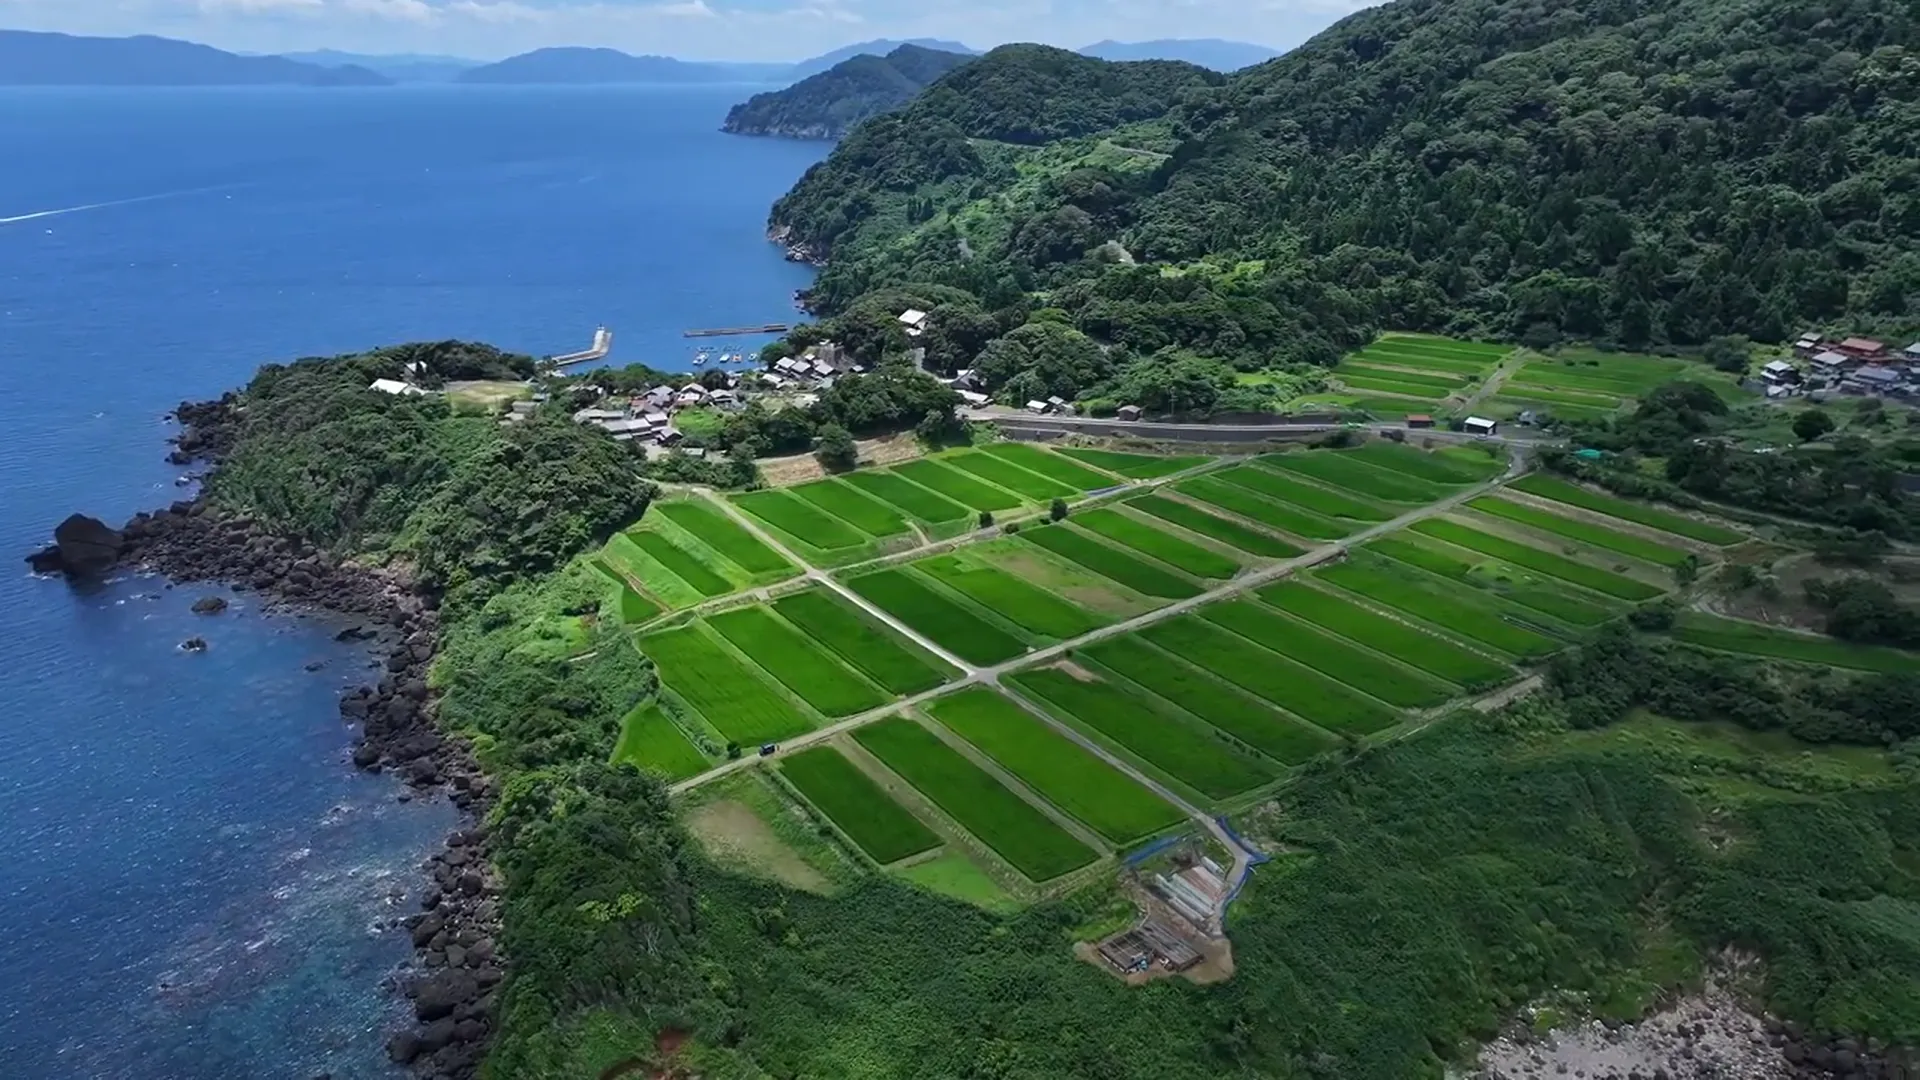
(63, 211)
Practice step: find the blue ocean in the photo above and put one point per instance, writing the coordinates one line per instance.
(193, 881)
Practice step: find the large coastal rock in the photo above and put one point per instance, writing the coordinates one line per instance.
(82, 547)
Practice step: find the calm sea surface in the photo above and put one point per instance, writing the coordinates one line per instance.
(190, 873)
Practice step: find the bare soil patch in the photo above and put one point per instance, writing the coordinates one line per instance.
(1076, 671)
(735, 835)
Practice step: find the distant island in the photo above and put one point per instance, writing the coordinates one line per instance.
(876, 47)
(28, 58)
(1223, 56)
(827, 105)
(584, 66)
(400, 67)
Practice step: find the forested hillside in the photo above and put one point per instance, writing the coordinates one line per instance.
(827, 105)
(1628, 172)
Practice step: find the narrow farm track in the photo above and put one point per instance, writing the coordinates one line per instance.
(1496, 379)
(990, 676)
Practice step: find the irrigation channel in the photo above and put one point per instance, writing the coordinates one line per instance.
(1244, 857)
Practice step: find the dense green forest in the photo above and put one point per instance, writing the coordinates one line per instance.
(828, 105)
(1636, 174)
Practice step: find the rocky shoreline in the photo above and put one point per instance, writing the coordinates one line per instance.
(457, 969)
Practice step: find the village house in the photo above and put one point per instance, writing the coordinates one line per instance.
(1779, 372)
(1862, 348)
(1037, 407)
(1830, 363)
(1808, 344)
(394, 386)
(915, 321)
(1129, 412)
(1419, 420)
(1873, 380)
(973, 397)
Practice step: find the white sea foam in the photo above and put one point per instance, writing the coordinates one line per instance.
(38, 214)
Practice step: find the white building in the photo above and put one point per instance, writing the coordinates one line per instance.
(1480, 425)
(394, 386)
(915, 321)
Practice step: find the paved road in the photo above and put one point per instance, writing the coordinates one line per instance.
(990, 676)
(1014, 420)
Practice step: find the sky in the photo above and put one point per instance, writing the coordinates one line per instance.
(693, 29)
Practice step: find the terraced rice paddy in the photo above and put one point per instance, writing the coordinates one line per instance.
(1018, 601)
(1558, 490)
(860, 808)
(1585, 399)
(650, 740)
(1415, 648)
(1294, 687)
(1441, 381)
(734, 699)
(957, 486)
(1552, 601)
(1052, 465)
(1185, 752)
(1459, 608)
(1443, 346)
(1393, 386)
(1753, 639)
(868, 646)
(1401, 357)
(1029, 840)
(910, 497)
(1135, 466)
(800, 520)
(1442, 468)
(996, 470)
(681, 563)
(1059, 769)
(1264, 477)
(1232, 533)
(796, 662)
(1112, 563)
(1546, 562)
(1514, 404)
(634, 608)
(1240, 501)
(723, 534)
(940, 620)
(1587, 533)
(849, 505)
(1250, 720)
(1353, 475)
(1134, 533)
(1365, 671)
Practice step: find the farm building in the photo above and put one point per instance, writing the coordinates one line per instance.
(1037, 407)
(1480, 425)
(1129, 412)
(1419, 420)
(974, 397)
(394, 386)
(1138, 949)
(915, 321)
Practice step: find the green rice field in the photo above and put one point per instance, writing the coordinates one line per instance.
(997, 470)
(1588, 399)
(1264, 478)
(1439, 468)
(1136, 466)
(800, 520)
(941, 620)
(1533, 558)
(634, 608)
(1515, 404)
(1549, 600)
(1238, 500)
(623, 560)
(1017, 600)
(1059, 769)
(1420, 360)
(1183, 751)
(1132, 532)
(1558, 490)
(1198, 521)
(1353, 475)
(1052, 465)
(849, 505)
(1393, 386)
(1248, 719)
(650, 740)
(956, 485)
(1444, 346)
(1360, 366)
(859, 807)
(734, 699)
(796, 662)
(1111, 563)
(1415, 648)
(1461, 609)
(1753, 639)
(723, 534)
(1585, 532)
(1294, 687)
(868, 646)
(1367, 672)
(680, 562)
(1014, 828)
(915, 500)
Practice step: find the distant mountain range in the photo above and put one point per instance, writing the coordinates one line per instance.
(29, 58)
(827, 104)
(400, 67)
(35, 59)
(1205, 52)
